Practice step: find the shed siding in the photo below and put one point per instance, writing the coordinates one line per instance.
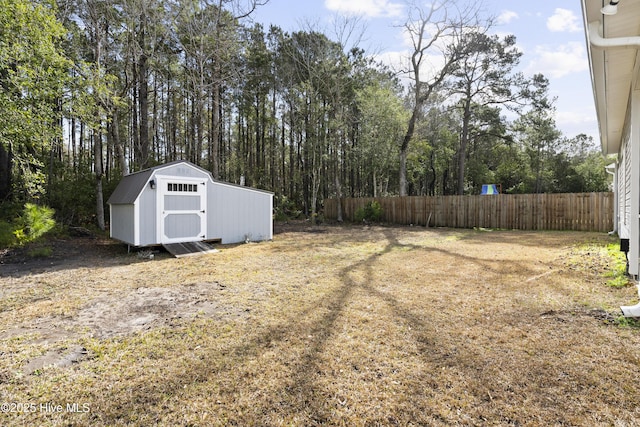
(122, 227)
(249, 219)
(182, 170)
(178, 226)
(147, 217)
(180, 202)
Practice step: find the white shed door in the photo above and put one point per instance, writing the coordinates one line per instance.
(182, 204)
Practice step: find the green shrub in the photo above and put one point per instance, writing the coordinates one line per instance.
(34, 223)
(286, 209)
(371, 212)
(73, 198)
(7, 236)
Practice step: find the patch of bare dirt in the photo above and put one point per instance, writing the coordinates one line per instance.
(101, 313)
(131, 311)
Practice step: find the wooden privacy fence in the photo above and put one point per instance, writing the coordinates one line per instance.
(579, 211)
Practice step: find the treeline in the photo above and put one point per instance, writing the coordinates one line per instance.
(95, 89)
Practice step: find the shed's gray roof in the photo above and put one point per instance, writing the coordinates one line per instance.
(132, 185)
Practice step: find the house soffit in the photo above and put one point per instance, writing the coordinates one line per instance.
(612, 69)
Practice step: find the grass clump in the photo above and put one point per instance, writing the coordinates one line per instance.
(617, 275)
(628, 322)
(40, 252)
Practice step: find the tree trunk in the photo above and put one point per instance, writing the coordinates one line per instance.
(119, 147)
(135, 113)
(405, 146)
(6, 162)
(143, 99)
(315, 188)
(338, 197)
(215, 129)
(375, 185)
(283, 160)
(98, 170)
(538, 186)
(292, 157)
(403, 172)
(464, 141)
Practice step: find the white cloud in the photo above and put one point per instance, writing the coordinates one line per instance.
(579, 120)
(366, 8)
(563, 20)
(506, 16)
(559, 61)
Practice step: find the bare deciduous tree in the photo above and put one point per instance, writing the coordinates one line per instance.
(436, 33)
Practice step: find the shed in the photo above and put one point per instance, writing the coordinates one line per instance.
(180, 202)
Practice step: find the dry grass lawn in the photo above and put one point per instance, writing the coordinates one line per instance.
(327, 325)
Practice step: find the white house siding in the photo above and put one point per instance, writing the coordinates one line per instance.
(633, 176)
(627, 180)
(624, 188)
(249, 219)
(612, 42)
(627, 183)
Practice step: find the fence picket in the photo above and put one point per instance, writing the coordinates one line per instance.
(579, 211)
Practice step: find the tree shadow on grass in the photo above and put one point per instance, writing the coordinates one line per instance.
(68, 254)
(433, 350)
(301, 396)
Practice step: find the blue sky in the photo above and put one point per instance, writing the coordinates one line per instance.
(549, 33)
